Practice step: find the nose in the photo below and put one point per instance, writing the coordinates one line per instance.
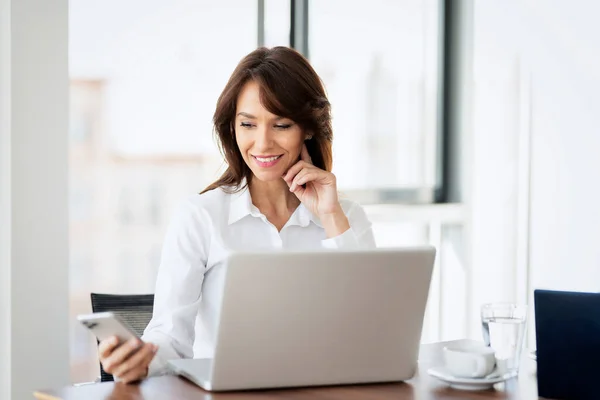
(264, 138)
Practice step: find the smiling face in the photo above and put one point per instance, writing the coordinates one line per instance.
(269, 144)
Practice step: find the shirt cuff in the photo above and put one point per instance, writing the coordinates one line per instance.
(346, 240)
(158, 365)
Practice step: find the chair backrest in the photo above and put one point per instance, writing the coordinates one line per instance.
(567, 328)
(134, 309)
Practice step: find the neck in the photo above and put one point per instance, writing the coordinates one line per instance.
(272, 197)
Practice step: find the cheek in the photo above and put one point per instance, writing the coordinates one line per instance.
(294, 142)
(293, 146)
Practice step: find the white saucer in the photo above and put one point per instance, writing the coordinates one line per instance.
(467, 383)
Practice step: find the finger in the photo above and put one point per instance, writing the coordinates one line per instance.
(292, 183)
(136, 360)
(121, 354)
(304, 156)
(106, 347)
(299, 192)
(299, 175)
(296, 170)
(289, 175)
(141, 371)
(304, 177)
(134, 375)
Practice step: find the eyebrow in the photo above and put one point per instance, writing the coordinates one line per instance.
(245, 114)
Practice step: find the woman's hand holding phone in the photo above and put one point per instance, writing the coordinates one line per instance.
(127, 361)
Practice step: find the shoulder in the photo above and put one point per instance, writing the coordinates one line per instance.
(210, 200)
(204, 206)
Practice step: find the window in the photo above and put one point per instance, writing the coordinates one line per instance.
(380, 67)
(276, 23)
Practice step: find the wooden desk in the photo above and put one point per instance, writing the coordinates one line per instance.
(422, 387)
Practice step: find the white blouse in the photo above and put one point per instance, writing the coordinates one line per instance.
(203, 231)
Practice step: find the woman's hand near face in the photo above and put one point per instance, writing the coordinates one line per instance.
(128, 361)
(319, 194)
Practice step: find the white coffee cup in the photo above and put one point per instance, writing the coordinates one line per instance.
(469, 360)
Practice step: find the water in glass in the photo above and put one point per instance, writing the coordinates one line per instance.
(505, 335)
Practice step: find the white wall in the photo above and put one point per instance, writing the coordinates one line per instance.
(5, 292)
(565, 158)
(34, 194)
(534, 161)
(565, 224)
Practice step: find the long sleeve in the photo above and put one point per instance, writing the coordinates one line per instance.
(178, 287)
(360, 234)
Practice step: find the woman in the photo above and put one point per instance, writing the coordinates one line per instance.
(273, 124)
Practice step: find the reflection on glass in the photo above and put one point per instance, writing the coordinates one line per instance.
(277, 23)
(380, 66)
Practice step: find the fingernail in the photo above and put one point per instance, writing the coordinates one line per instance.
(154, 348)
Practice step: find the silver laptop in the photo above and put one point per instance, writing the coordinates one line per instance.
(320, 318)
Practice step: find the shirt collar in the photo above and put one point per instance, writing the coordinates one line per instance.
(240, 206)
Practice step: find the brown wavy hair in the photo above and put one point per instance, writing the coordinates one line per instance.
(289, 88)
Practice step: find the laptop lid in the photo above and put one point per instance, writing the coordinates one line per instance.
(300, 319)
(568, 344)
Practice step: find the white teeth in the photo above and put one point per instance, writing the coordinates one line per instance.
(269, 159)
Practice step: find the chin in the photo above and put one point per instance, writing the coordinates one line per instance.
(266, 176)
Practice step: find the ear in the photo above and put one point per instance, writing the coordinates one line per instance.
(308, 136)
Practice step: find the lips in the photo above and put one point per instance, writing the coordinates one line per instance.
(266, 158)
(267, 161)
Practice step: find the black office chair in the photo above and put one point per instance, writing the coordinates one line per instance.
(134, 309)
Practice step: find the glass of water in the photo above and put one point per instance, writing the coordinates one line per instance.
(503, 326)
